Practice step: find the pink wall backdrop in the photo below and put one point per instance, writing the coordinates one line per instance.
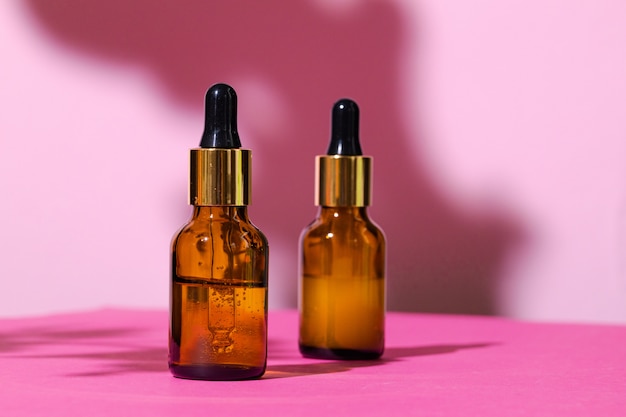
(498, 130)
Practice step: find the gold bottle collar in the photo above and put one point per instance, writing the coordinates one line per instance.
(220, 177)
(343, 181)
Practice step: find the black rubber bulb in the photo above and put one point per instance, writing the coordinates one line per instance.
(220, 118)
(344, 139)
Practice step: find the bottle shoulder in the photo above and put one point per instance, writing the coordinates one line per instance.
(343, 227)
(220, 246)
(237, 232)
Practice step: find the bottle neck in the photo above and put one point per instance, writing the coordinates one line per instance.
(220, 213)
(337, 213)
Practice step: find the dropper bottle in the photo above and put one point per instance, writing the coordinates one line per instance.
(218, 305)
(342, 253)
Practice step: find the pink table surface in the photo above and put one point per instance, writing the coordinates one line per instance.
(113, 363)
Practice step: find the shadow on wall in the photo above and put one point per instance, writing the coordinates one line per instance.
(440, 259)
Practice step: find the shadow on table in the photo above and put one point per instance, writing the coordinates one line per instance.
(404, 352)
(116, 363)
(392, 354)
(120, 357)
(115, 351)
(35, 336)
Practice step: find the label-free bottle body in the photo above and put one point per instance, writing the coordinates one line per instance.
(219, 260)
(342, 293)
(219, 297)
(342, 254)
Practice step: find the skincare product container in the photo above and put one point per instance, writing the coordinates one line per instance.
(218, 305)
(342, 253)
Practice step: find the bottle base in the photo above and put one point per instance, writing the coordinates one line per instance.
(339, 354)
(217, 372)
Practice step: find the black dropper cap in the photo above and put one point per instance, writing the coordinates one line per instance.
(220, 118)
(344, 139)
(344, 174)
(219, 170)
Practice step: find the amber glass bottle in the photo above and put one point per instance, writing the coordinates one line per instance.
(218, 305)
(342, 254)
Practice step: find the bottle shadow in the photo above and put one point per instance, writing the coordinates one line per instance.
(114, 351)
(33, 337)
(132, 360)
(105, 351)
(290, 61)
(392, 354)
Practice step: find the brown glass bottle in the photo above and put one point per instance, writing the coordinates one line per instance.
(342, 254)
(218, 305)
(219, 296)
